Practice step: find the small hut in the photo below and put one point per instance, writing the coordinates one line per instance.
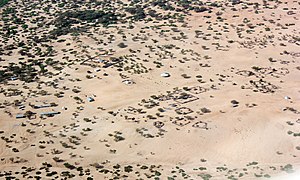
(19, 116)
(90, 99)
(165, 74)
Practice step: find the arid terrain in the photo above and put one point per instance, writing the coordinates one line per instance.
(150, 89)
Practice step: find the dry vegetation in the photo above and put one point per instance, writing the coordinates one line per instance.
(138, 89)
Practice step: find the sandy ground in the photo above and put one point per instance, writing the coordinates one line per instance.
(230, 108)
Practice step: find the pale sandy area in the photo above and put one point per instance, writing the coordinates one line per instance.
(261, 128)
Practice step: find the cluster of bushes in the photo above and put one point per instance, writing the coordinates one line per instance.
(184, 4)
(64, 21)
(3, 2)
(137, 12)
(92, 15)
(25, 73)
(164, 4)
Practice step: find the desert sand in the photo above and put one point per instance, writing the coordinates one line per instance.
(155, 89)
